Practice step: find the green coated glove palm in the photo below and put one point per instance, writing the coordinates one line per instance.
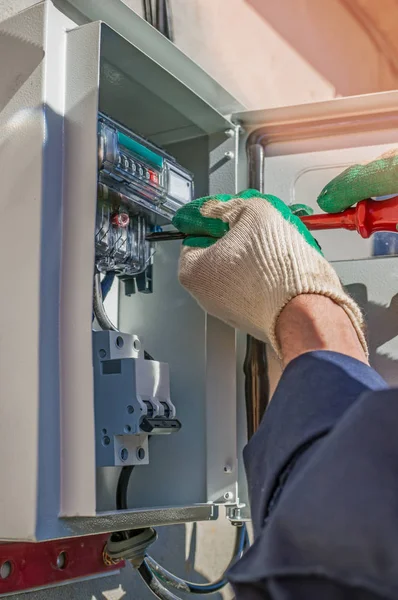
(247, 256)
(376, 178)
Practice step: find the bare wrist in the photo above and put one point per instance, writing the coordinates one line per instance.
(313, 322)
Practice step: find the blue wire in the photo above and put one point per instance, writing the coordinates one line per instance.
(106, 283)
(188, 586)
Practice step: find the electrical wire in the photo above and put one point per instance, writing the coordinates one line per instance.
(148, 12)
(107, 283)
(199, 588)
(255, 369)
(154, 584)
(98, 306)
(168, 21)
(122, 485)
(121, 493)
(153, 574)
(101, 290)
(161, 18)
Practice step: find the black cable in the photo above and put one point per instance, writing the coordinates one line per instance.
(159, 22)
(121, 498)
(168, 21)
(150, 570)
(255, 369)
(148, 12)
(122, 485)
(163, 18)
(121, 494)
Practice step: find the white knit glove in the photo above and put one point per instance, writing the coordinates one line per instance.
(247, 256)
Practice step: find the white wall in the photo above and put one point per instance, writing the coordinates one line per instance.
(269, 53)
(272, 53)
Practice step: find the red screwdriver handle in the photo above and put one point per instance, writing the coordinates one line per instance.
(367, 217)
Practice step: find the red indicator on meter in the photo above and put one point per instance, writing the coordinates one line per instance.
(120, 220)
(154, 177)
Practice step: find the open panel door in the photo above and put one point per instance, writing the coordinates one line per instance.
(293, 152)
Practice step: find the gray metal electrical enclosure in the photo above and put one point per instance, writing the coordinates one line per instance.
(66, 66)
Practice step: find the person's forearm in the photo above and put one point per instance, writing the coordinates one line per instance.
(314, 322)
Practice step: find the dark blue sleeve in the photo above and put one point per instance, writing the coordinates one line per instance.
(323, 480)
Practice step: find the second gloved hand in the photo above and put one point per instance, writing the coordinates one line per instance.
(247, 256)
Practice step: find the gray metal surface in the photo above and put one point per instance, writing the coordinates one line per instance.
(242, 511)
(201, 353)
(203, 395)
(295, 151)
(159, 49)
(133, 519)
(374, 284)
(221, 407)
(79, 210)
(167, 480)
(31, 122)
(148, 99)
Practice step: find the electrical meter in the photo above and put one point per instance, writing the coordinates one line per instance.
(143, 174)
(139, 186)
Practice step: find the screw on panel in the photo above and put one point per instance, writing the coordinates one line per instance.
(124, 454)
(127, 429)
(119, 341)
(235, 517)
(130, 409)
(227, 469)
(229, 155)
(106, 441)
(228, 496)
(61, 560)
(5, 569)
(230, 133)
(102, 353)
(140, 453)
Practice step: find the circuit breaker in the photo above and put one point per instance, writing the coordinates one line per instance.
(107, 362)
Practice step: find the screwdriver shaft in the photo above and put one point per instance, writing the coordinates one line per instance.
(161, 236)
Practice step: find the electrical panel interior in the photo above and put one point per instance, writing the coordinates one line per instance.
(140, 187)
